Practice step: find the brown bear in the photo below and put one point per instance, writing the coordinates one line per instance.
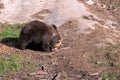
(41, 35)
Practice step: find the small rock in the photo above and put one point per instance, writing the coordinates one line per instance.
(32, 74)
(41, 72)
(90, 2)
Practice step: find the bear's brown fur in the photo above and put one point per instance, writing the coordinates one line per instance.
(39, 34)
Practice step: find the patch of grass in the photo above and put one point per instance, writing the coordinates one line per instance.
(13, 63)
(109, 76)
(20, 26)
(11, 31)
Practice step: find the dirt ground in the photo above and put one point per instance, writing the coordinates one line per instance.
(81, 56)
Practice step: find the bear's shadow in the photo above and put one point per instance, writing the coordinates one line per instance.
(9, 41)
(12, 42)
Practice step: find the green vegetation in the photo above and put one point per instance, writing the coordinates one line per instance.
(11, 31)
(13, 63)
(9, 64)
(109, 76)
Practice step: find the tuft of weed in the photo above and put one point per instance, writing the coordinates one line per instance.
(109, 76)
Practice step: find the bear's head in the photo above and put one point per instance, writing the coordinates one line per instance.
(55, 42)
(56, 39)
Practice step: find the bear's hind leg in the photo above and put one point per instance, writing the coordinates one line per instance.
(23, 45)
(23, 42)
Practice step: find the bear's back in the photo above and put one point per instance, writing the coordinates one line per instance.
(36, 27)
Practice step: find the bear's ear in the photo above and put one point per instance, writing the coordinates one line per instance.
(54, 26)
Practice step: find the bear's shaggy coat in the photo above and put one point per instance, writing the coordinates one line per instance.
(40, 35)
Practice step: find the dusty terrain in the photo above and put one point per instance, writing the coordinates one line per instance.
(90, 48)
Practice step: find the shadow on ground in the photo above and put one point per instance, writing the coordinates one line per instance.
(11, 42)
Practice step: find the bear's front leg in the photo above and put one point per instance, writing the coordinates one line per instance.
(46, 46)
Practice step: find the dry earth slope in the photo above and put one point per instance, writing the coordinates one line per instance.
(90, 31)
